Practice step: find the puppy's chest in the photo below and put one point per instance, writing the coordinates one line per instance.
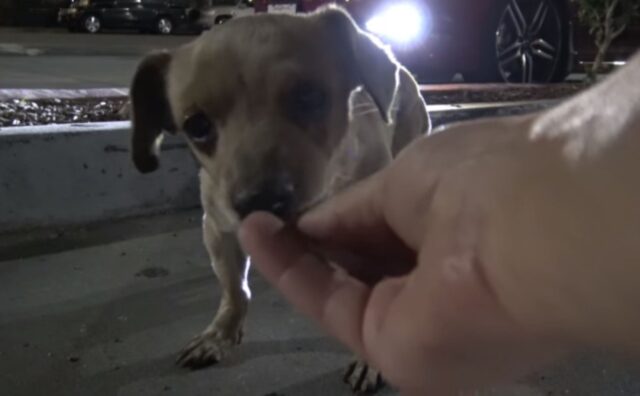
(365, 149)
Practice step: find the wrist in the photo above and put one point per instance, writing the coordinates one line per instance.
(564, 254)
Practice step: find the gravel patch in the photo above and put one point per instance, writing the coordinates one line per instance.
(486, 93)
(21, 112)
(17, 112)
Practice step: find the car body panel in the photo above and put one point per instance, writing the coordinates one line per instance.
(126, 14)
(460, 29)
(227, 9)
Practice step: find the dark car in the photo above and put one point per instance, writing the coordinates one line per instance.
(532, 41)
(32, 12)
(157, 16)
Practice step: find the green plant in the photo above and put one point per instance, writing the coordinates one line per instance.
(606, 19)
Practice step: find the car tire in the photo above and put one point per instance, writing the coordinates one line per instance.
(530, 42)
(222, 19)
(164, 25)
(91, 24)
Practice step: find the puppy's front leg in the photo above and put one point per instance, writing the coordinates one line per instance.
(231, 267)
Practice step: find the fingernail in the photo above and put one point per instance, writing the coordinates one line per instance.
(256, 225)
(312, 222)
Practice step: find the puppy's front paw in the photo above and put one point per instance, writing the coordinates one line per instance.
(208, 348)
(362, 378)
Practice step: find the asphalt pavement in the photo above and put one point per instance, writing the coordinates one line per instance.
(55, 58)
(104, 311)
(19, 41)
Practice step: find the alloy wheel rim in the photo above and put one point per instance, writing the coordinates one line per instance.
(92, 24)
(528, 42)
(164, 26)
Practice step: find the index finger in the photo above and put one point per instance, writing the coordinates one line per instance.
(329, 296)
(354, 220)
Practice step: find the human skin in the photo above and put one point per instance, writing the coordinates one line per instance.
(483, 251)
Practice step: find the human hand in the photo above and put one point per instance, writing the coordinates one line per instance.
(472, 259)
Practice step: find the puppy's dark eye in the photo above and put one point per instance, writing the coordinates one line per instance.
(307, 102)
(199, 127)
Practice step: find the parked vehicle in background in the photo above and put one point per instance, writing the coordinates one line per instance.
(215, 12)
(32, 13)
(293, 6)
(157, 16)
(516, 41)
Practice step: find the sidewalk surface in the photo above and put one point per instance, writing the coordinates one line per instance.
(104, 311)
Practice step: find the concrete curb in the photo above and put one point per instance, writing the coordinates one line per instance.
(62, 175)
(442, 115)
(42, 94)
(74, 174)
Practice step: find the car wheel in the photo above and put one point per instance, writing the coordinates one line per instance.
(530, 43)
(222, 19)
(164, 25)
(91, 24)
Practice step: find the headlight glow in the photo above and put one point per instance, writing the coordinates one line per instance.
(399, 23)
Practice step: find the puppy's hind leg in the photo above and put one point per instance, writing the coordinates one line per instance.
(231, 267)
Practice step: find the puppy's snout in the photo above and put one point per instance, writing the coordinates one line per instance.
(276, 197)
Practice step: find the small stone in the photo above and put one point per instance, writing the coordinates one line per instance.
(74, 359)
(26, 345)
(166, 388)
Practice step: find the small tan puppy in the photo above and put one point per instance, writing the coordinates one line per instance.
(280, 111)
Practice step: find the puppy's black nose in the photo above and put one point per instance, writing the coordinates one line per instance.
(274, 197)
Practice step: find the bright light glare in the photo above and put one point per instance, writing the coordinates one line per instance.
(400, 23)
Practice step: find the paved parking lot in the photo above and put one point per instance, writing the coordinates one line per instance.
(54, 58)
(103, 311)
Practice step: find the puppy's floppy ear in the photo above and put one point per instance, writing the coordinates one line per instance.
(151, 113)
(373, 64)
